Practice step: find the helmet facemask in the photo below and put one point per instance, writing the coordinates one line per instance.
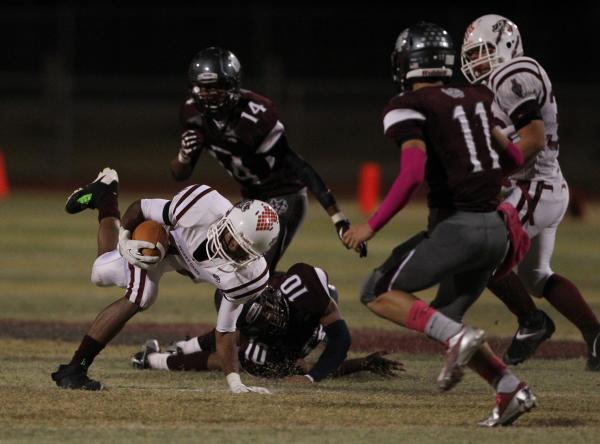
(490, 41)
(267, 314)
(214, 77)
(214, 99)
(227, 249)
(478, 60)
(246, 232)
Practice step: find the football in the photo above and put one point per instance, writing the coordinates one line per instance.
(152, 232)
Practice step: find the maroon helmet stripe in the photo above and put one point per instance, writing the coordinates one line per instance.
(191, 204)
(232, 290)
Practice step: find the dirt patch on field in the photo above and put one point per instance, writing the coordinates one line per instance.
(363, 339)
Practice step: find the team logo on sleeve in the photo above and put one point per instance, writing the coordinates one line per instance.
(266, 219)
(517, 88)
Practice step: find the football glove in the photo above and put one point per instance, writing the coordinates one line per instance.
(376, 363)
(131, 250)
(340, 227)
(191, 142)
(236, 386)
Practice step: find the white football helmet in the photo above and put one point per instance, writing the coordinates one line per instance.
(489, 41)
(253, 225)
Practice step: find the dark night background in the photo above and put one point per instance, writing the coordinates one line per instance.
(90, 84)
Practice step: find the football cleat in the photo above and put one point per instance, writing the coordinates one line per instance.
(509, 406)
(88, 196)
(174, 348)
(140, 359)
(74, 377)
(528, 338)
(593, 361)
(461, 349)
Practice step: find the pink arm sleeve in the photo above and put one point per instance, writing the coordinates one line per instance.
(511, 159)
(412, 172)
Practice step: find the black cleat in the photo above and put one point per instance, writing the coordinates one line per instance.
(528, 338)
(87, 197)
(593, 362)
(73, 376)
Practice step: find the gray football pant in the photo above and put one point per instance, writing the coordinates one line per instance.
(460, 254)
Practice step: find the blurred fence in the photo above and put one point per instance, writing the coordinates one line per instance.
(64, 114)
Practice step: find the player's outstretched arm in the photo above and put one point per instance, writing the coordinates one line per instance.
(227, 352)
(375, 363)
(336, 349)
(313, 181)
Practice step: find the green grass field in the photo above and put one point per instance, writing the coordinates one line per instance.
(44, 275)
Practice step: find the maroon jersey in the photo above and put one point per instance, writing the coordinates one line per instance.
(462, 169)
(250, 143)
(305, 289)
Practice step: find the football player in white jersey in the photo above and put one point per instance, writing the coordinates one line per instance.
(210, 240)
(527, 115)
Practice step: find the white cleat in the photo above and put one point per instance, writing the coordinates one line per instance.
(509, 406)
(462, 347)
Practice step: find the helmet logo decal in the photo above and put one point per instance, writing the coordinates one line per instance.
(468, 32)
(266, 219)
(245, 205)
(207, 77)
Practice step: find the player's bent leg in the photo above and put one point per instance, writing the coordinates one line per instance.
(106, 325)
(100, 194)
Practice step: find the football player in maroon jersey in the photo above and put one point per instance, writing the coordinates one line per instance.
(242, 131)
(277, 331)
(444, 137)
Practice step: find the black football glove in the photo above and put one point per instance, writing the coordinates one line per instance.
(341, 227)
(191, 142)
(376, 363)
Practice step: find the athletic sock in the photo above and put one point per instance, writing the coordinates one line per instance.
(158, 361)
(511, 291)
(425, 319)
(87, 351)
(494, 371)
(194, 361)
(189, 346)
(566, 298)
(108, 206)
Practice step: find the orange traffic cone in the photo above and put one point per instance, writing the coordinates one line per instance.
(4, 190)
(369, 184)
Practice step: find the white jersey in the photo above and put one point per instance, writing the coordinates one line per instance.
(188, 216)
(519, 85)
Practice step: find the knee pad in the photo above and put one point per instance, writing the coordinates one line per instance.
(369, 292)
(109, 270)
(535, 280)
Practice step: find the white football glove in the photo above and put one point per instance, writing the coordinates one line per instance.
(191, 141)
(131, 250)
(236, 386)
